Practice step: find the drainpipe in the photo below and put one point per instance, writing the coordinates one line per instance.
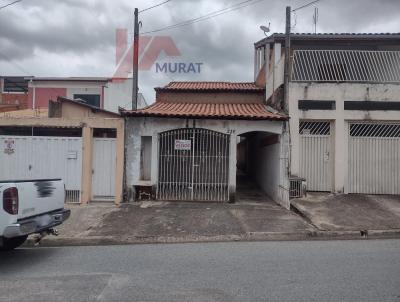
(33, 94)
(125, 194)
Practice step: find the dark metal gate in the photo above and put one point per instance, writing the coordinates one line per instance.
(193, 165)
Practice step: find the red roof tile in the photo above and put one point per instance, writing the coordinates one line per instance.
(225, 86)
(223, 111)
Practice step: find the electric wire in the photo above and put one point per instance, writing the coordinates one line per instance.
(207, 16)
(305, 5)
(154, 6)
(9, 4)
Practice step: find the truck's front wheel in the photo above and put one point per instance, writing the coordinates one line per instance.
(12, 243)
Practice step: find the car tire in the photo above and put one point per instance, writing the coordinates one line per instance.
(12, 243)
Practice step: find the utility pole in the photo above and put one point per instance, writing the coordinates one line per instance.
(287, 62)
(135, 65)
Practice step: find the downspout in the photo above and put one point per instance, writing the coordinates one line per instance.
(125, 195)
(33, 94)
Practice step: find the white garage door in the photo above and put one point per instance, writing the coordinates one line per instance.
(43, 157)
(374, 158)
(316, 155)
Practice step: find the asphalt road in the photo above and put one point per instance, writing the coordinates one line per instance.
(241, 271)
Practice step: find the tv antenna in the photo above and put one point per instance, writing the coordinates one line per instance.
(315, 19)
(266, 29)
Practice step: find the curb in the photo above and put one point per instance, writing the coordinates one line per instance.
(251, 236)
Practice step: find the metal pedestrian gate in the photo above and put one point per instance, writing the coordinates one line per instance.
(315, 155)
(103, 169)
(193, 165)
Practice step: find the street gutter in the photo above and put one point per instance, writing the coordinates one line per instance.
(250, 236)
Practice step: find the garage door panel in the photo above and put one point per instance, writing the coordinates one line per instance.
(35, 157)
(374, 160)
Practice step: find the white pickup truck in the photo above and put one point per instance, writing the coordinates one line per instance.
(29, 207)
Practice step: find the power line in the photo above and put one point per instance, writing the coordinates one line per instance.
(207, 16)
(198, 19)
(305, 5)
(159, 4)
(9, 4)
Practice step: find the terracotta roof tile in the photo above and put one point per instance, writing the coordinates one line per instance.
(225, 86)
(223, 111)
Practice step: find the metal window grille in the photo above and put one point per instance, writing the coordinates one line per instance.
(314, 128)
(298, 187)
(346, 66)
(72, 196)
(200, 171)
(375, 130)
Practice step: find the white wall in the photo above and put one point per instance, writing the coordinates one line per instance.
(118, 93)
(275, 75)
(137, 127)
(264, 165)
(338, 92)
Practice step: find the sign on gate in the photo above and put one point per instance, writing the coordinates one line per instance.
(9, 145)
(183, 144)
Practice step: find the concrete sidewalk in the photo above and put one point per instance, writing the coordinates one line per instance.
(333, 217)
(152, 222)
(350, 212)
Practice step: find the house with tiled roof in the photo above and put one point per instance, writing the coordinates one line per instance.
(343, 100)
(197, 138)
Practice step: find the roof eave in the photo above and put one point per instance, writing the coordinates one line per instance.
(161, 89)
(328, 36)
(194, 116)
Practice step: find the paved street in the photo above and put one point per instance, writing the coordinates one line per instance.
(365, 270)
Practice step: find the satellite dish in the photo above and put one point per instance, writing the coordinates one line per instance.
(265, 29)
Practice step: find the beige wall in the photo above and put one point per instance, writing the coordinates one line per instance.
(210, 97)
(70, 110)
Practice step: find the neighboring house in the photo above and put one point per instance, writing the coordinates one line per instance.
(13, 93)
(35, 92)
(344, 108)
(82, 144)
(186, 145)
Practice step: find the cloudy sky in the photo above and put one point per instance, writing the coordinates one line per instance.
(77, 37)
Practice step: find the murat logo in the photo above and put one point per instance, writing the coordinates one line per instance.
(150, 50)
(9, 145)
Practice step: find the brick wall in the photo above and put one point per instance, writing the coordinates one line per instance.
(20, 99)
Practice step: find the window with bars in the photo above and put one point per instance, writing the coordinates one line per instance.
(374, 130)
(314, 128)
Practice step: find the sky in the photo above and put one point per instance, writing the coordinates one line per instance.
(78, 38)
